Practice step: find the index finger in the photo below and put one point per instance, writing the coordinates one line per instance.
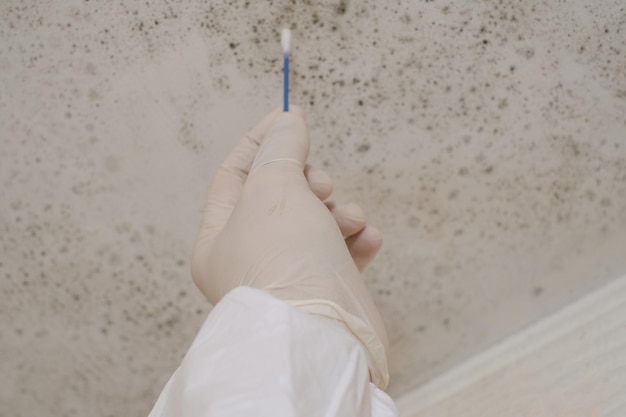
(233, 171)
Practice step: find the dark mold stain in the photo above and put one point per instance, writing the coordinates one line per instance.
(364, 147)
(341, 8)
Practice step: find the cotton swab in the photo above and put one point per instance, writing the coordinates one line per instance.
(285, 42)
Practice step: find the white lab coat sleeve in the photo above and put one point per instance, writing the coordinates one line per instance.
(259, 356)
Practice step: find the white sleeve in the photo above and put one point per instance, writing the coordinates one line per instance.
(258, 356)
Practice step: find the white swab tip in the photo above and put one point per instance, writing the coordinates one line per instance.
(285, 40)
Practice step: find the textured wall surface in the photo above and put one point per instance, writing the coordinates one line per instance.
(487, 139)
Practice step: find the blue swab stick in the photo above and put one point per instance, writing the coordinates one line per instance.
(285, 41)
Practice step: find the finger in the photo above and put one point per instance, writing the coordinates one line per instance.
(286, 144)
(231, 175)
(364, 246)
(319, 181)
(349, 217)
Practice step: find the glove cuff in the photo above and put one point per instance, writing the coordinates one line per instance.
(377, 357)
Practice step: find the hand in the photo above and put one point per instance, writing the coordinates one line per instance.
(266, 226)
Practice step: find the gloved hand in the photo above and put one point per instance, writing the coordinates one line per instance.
(266, 226)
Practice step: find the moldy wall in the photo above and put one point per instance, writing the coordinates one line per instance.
(485, 138)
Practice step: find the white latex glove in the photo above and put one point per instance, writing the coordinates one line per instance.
(266, 226)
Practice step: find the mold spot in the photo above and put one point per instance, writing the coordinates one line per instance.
(364, 147)
(527, 52)
(341, 8)
(414, 221)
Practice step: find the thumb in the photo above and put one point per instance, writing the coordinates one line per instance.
(286, 142)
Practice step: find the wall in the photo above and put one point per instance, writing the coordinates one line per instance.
(485, 138)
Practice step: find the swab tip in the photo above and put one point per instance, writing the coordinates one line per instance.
(285, 40)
